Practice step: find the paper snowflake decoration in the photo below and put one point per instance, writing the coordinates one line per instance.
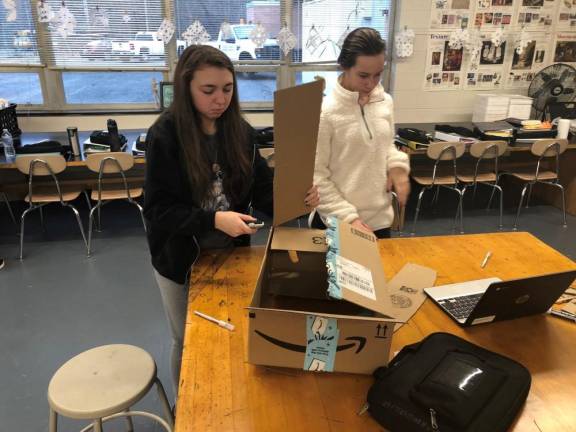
(166, 30)
(286, 40)
(498, 37)
(523, 41)
(99, 17)
(45, 13)
(343, 37)
(473, 45)
(259, 35)
(458, 38)
(196, 34)
(65, 22)
(226, 30)
(314, 39)
(11, 9)
(126, 18)
(404, 43)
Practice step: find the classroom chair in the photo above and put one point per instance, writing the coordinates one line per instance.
(102, 384)
(111, 163)
(9, 207)
(40, 195)
(546, 148)
(440, 152)
(487, 154)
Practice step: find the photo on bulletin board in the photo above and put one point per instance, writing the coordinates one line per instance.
(166, 94)
(452, 58)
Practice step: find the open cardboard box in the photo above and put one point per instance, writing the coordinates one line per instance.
(293, 322)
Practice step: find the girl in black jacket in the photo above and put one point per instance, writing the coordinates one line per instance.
(203, 176)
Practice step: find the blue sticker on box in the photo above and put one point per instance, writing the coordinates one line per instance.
(333, 241)
(321, 343)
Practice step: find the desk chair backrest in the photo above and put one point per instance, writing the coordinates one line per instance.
(446, 150)
(109, 163)
(488, 149)
(549, 148)
(43, 165)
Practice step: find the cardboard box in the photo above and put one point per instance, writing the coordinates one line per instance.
(297, 318)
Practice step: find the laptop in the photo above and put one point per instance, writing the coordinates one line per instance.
(487, 300)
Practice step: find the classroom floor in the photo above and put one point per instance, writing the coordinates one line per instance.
(57, 302)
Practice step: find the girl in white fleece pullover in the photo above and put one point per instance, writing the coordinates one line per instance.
(355, 152)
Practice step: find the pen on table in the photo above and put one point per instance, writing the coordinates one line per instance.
(486, 258)
(221, 323)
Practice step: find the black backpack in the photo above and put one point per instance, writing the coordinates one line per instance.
(446, 384)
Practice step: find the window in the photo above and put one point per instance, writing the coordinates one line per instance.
(22, 88)
(114, 57)
(110, 87)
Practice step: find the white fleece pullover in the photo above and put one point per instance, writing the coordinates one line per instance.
(354, 152)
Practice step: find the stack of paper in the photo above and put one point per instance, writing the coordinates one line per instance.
(490, 107)
(520, 107)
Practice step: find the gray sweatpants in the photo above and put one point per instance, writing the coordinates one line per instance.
(175, 299)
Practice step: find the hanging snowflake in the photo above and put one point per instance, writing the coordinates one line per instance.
(99, 17)
(11, 9)
(523, 41)
(314, 40)
(196, 34)
(404, 42)
(259, 35)
(166, 31)
(498, 37)
(343, 37)
(473, 45)
(126, 18)
(226, 30)
(286, 40)
(45, 13)
(458, 38)
(65, 21)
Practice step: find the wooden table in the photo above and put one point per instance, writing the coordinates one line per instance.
(220, 391)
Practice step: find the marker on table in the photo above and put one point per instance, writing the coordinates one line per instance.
(221, 323)
(486, 258)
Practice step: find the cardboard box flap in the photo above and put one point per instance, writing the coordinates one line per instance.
(355, 268)
(406, 289)
(296, 120)
(299, 239)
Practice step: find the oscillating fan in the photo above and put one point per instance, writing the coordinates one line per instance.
(555, 83)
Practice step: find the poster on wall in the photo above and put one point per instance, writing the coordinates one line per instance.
(493, 13)
(566, 15)
(526, 64)
(536, 15)
(450, 14)
(443, 64)
(488, 72)
(565, 49)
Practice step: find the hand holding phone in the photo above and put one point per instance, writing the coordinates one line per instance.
(255, 224)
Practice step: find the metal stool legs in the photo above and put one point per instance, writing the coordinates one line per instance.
(5, 199)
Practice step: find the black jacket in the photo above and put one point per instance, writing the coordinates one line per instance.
(174, 220)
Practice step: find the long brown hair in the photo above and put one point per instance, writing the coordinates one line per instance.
(232, 129)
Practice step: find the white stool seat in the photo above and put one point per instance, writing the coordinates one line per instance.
(101, 381)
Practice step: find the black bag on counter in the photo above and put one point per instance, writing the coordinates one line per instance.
(446, 384)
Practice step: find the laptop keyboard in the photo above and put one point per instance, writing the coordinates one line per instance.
(460, 307)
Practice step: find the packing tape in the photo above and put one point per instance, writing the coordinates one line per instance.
(321, 343)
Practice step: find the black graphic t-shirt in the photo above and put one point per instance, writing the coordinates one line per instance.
(216, 200)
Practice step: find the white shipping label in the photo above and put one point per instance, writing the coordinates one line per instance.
(354, 277)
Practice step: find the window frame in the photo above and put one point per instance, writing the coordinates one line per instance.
(51, 78)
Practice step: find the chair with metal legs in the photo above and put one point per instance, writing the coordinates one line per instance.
(9, 207)
(487, 151)
(111, 163)
(41, 195)
(542, 149)
(441, 152)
